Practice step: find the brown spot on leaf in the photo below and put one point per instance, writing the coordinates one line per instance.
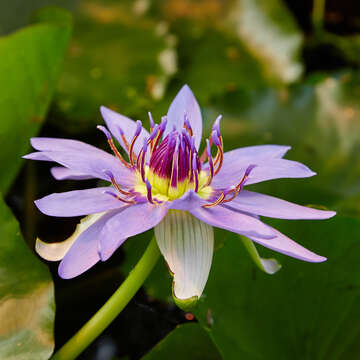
(37, 119)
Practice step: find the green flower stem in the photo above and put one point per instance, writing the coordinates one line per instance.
(318, 13)
(112, 308)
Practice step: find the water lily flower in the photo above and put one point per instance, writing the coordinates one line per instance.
(166, 184)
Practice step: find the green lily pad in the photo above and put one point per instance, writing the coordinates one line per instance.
(30, 63)
(118, 58)
(187, 341)
(27, 306)
(305, 311)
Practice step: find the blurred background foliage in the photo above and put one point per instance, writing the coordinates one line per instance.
(280, 72)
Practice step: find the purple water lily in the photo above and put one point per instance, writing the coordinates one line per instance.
(167, 185)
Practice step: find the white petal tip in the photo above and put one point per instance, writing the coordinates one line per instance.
(320, 259)
(50, 251)
(271, 266)
(104, 111)
(330, 214)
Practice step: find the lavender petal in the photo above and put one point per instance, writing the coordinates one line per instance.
(133, 220)
(222, 217)
(78, 203)
(185, 103)
(62, 173)
(269, 206)
(90, 163)
(83, 253)
(284, 245)
(115, 122)
(266, 169)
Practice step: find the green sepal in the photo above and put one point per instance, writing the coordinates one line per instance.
(269, 266)
(187, 305)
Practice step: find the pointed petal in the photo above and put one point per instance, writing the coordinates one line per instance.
(58, 144)
(37, 155)
(256, 153)
(233, 221)
(92, 163)
(109, 247)
(265, 205)
(270, 266)
(56, 251)
(222, 217)
(187, 246)
(83, 254)
(284, 245)
(62, 173)
(268, 169)
(132, 220)
(78, 202)
(115, 121)
(185, 102)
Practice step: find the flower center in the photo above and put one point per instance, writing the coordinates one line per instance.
(168, 168)
(174, 166)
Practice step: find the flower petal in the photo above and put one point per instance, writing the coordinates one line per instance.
(62, 173)
(115, 121)
(58, 144)
(286, 246)
(265, 205)
(270, 266)
(185, 102)
(255, 153)
(78, 202)
(56, 251)
(222, 217)
(132, 220)
(83, 254)
(92, 163)
(37, 155)
(187, 246)
(265, 169)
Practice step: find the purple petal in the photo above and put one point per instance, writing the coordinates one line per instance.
(221, 217)
(286, 246)
(256, 153)
(105, 250)
(91, 163)
(62, 173)
(185, 103)
(133, 220)
(267, 169)
(58, 144)
(265, 205)
(37, 155)
(115, 122)
(78, 203)
(83, 254)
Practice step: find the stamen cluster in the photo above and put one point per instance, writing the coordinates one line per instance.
(168, 167)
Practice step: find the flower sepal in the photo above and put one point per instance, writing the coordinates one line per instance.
(269, 266)
(187, 305)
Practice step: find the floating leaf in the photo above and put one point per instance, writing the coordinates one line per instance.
(117, 58)
(30, 63)
(27, 307)
(187, 341)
